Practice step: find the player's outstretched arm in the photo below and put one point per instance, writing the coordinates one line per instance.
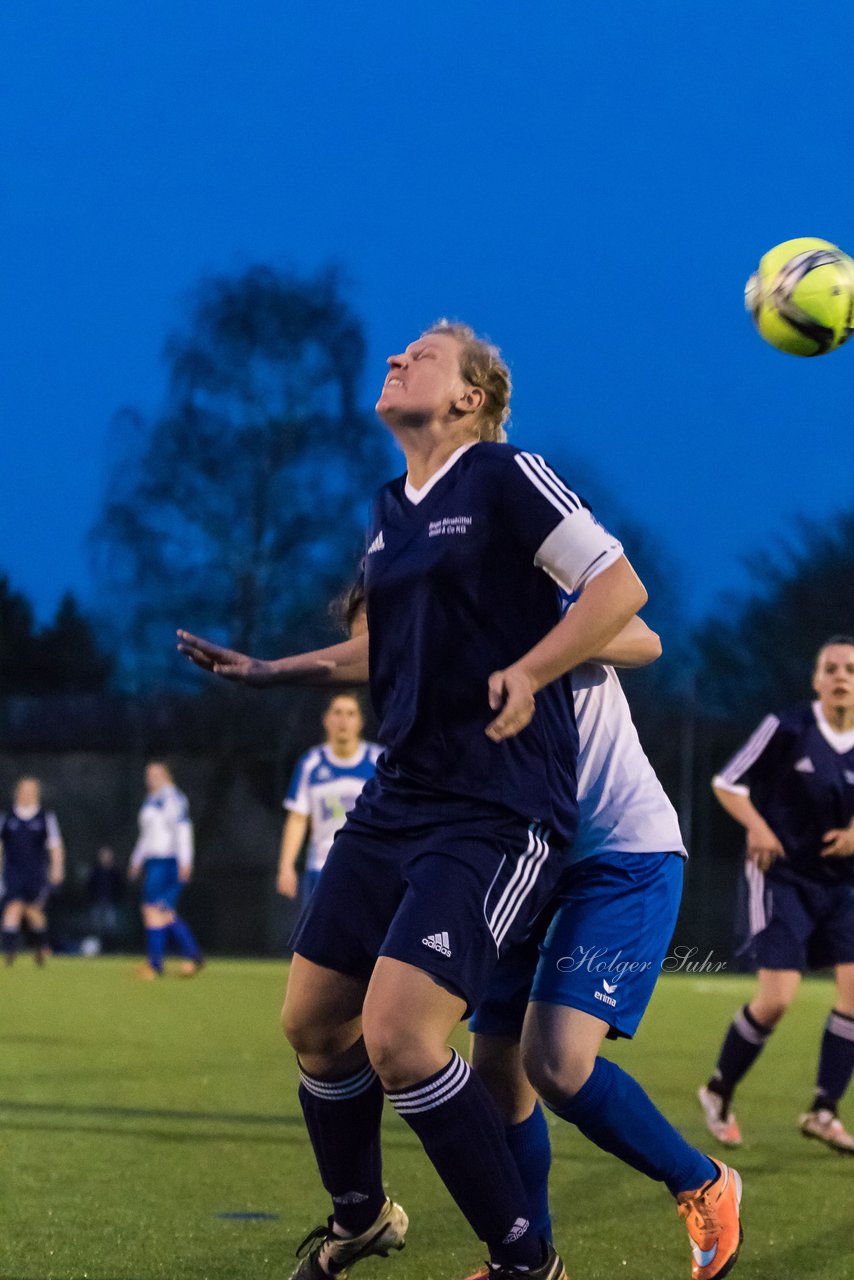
(342, 664)
(604, 608)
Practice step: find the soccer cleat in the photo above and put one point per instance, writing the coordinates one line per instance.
(551, 1269)
(828, 1128)
(145, 973)
(711, 1214)
(332, 1255)
(720, 1119)
(189, 968)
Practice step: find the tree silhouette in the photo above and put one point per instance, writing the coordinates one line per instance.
(239, 511)
(756, 651)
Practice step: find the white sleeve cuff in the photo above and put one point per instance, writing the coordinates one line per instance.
(296, 806)
(734, 788)
(577, 550)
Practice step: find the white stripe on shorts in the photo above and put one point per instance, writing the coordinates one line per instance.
(518, 888)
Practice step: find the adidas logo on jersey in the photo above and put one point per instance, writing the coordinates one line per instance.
(378, 544)
(438, 942)
(805, 766)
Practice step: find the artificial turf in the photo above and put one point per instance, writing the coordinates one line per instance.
(133, 1116)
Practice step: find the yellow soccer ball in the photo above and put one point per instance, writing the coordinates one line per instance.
(802, 297)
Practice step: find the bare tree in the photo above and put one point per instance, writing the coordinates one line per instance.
(239, 510)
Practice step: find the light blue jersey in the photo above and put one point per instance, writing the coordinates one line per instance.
(324, 788)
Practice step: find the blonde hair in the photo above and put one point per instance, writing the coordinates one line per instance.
(482, 366)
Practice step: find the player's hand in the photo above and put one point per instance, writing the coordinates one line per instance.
(286, 884)
(227, 663)
(184, 876)
(763, 847)
(838, 844)
(512, 692)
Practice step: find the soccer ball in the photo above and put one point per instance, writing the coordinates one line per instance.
(802, 297)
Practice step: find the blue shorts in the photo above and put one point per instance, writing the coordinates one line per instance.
(28, 885)
(447, 898)
(308, 882)
(161, 886)
(602, 951)
(795, 922)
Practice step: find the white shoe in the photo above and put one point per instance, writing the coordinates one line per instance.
(828, 1128)
(720, 1120)
(332, 1254)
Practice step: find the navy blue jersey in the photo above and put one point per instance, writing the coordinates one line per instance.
(26, 841)
(461, 580)
(799, 774)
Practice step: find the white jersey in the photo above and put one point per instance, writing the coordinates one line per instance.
(324, 788)
(622, 805)
(165, 830)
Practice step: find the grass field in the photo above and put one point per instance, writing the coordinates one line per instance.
(134, 1115)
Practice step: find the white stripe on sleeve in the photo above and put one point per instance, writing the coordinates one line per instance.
(735, 769)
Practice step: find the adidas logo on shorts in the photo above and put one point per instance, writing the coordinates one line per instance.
(438, 942)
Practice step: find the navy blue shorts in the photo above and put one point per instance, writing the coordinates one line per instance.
(29, 886)
(308, 882)
(447, 898)
(162, 885)
(797, 923)
(602, 950)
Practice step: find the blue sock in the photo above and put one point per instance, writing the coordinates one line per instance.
(532, 1151)
(461, 1131)
(155, 947)
(11, 938)
(612, 1110)
(836, 1060)
(180, 936)
(343, 1122)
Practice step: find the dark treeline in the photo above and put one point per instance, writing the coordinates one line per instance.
(237, 512)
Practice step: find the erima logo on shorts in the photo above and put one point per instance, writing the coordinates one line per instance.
(378, 544)
(606, 996)
(438, 942)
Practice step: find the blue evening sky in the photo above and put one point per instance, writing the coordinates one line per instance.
(589, 184)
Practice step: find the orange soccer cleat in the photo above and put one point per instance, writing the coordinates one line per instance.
(711, 1214)
(145, 973)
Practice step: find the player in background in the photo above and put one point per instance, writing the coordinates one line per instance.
(32, 862)
(455, 844)
(791, 786)
(163, 854)
(326, 783)
(594, 976)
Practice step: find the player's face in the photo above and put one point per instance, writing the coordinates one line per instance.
(155, 777)
(833, 680)
(27, 794)
(343, 721)
(423, 382)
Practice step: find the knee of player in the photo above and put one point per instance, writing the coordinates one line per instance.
(557, 1072)
(769, 1012)
(398, 1054)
